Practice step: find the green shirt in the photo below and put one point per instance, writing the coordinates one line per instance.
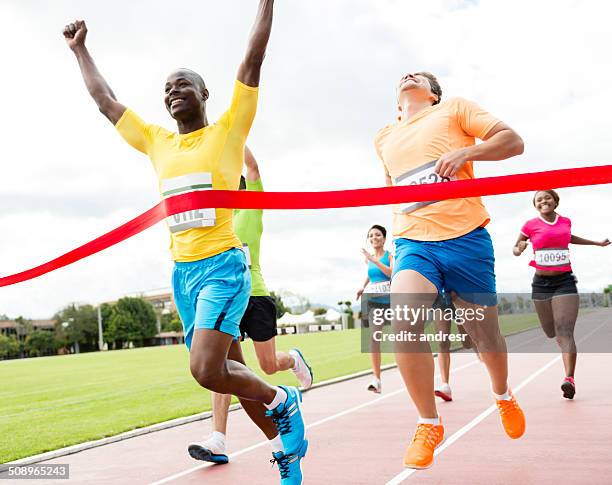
(248, 225)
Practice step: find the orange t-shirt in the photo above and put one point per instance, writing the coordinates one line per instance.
(409, 150)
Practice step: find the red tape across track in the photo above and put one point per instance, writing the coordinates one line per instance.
(573, 177)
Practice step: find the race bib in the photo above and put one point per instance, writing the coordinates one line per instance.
(552, 257)
(425, 174)
(192, 182)
(247, 253)
(381, 288)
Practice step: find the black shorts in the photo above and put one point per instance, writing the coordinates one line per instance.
(371, 306)
(259, 319)
(547, 287)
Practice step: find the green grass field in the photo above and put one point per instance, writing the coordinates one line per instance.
(52, 402)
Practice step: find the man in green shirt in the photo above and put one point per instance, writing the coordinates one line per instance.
(258, 323)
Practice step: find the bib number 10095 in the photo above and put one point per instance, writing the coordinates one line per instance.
(552, 257)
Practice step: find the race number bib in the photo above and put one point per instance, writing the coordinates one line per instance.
(247, 253)
(552, 257)
(381, 288)
(425, 174)
(192, 182)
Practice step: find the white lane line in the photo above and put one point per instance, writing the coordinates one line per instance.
(309, 426)
(399, 478)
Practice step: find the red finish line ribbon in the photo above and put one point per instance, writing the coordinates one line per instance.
(573, 177)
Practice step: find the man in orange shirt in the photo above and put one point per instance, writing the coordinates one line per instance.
(442, 246)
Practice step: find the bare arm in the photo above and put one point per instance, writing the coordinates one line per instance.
(75, 34)
(362, 289)
(500, 143)
(387, 270)
(252, 174)
(588, 242)
(250, 69)
(520, 246)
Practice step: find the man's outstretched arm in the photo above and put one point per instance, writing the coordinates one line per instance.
(252, 174)
(250, 69)
(75, 34)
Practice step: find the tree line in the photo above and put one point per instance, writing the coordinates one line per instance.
(129, 321)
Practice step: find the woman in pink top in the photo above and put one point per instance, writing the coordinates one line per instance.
(554, 291)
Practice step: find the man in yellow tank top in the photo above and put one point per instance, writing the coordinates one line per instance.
(211, 279)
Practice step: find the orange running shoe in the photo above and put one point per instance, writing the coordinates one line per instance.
(426, 439)
(512, 417)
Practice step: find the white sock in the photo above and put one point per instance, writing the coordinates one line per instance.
(281, 397)
(218, 436)
(276, 444)
(434, 421)
(506, 396)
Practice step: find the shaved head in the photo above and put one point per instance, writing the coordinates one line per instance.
(192, 75)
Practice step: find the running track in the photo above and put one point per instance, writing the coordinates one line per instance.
(359, 438)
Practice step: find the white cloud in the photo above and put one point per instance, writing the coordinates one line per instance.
(327, 86)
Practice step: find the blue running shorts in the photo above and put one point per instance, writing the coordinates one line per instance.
(465, 265)
(212, 293)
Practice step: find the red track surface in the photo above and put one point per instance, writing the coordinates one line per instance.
(357, 437)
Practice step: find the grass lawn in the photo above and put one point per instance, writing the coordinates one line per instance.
(51, 402)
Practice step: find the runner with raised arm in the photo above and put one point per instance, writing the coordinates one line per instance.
(211, 279)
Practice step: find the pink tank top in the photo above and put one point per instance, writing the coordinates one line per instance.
(550, 241)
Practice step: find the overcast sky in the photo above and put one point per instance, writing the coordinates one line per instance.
(327, 86)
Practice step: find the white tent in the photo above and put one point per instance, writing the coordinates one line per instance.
(290, 319)
(332, 315)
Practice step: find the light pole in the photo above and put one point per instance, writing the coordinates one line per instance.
(100, 336)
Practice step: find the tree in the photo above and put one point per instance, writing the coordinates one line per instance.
(40, 342)
(131, 320)
(319, 311)
(77, 325)
(176, 325)
(9, 347)
(281, 309)
(504, 306)
(170, 322)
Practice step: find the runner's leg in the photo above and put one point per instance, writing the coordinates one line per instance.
(545, 315)
(489, 341)
(565, 311)
(443, 350)
(271, 361)
(414, 359)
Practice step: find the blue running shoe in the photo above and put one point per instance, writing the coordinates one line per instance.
(207, 452)
(288, 419)
(290, 466)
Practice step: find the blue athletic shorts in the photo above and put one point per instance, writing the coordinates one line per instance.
(465, 265)
(212, 293)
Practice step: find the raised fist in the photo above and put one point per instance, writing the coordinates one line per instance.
(519, 248)
(75, 34)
